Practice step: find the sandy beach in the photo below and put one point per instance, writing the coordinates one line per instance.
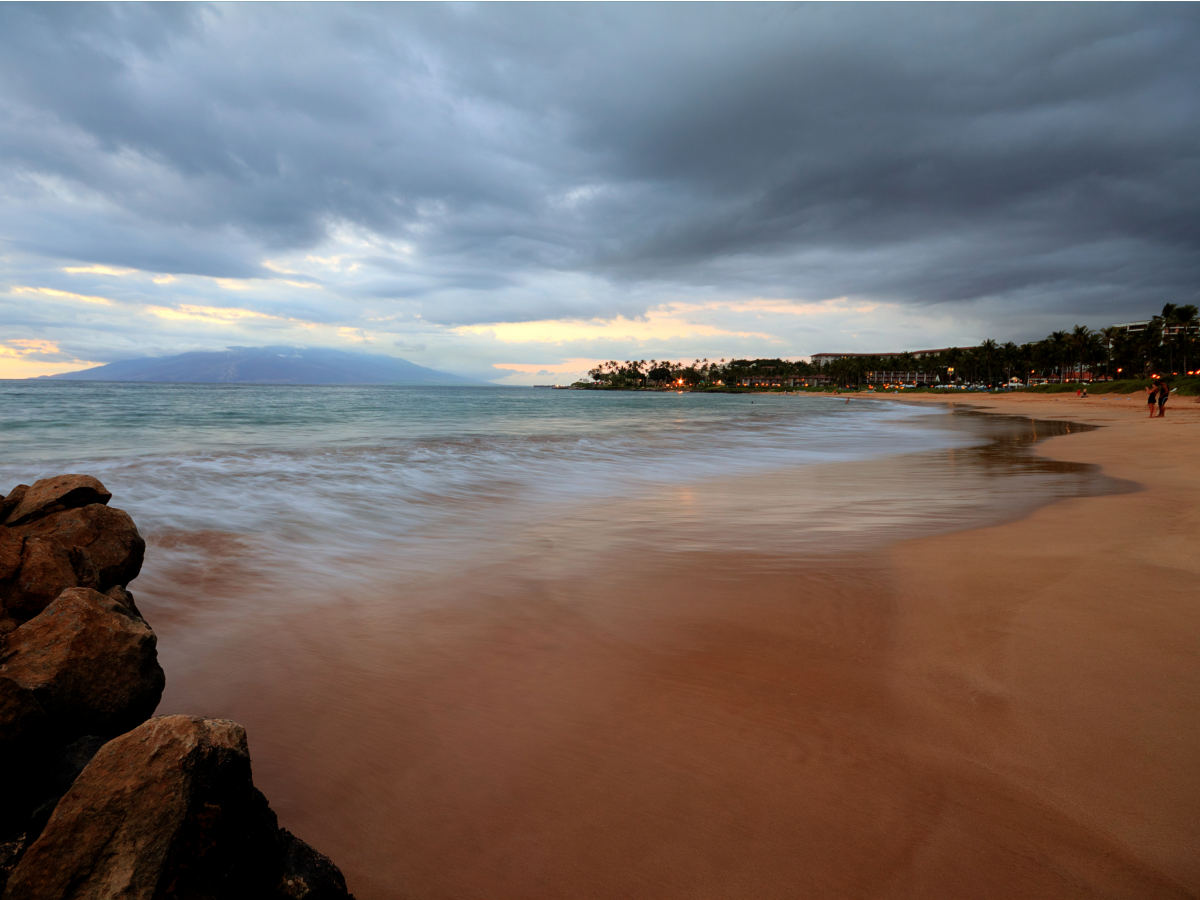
(1009, 711)
(1058, 653)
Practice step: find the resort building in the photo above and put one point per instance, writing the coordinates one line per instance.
(1168, 331)
(820, 359)
(882, 377)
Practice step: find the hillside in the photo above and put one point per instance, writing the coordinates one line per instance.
(269, 365)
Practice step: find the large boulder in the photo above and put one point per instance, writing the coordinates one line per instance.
(22, 722)
(12, 501)
(93, 546)
(11, 546)
(90, 662)
(51, 495)
(30, 799)
(170, 810)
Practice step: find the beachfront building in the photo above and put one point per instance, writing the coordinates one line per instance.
(821, 359)
(882, 377)
(1168, 331)
(792, 381)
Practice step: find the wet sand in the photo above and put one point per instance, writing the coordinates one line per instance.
(1010, 711)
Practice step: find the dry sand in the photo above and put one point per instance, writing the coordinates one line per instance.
(1012, 711)
(1061, 653)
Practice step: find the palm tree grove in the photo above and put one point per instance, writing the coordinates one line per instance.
(1117, 358)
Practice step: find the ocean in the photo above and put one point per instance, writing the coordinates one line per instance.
(333, 470)
(516, 642)
(322, 490)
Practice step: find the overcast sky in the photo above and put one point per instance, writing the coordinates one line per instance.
(515, 192)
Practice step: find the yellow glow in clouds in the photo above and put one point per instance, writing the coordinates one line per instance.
(222, 315)
(659, 324)
(14, 361)
(61, 295)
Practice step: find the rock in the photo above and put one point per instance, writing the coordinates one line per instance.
(44, 573)
(308, 874)
(125, 598)
(10, 855)
(11, 546)
(91, 664)
(12, 501)
(51, 495)
(29, 801)
(94, 546)
(22, 721)
(22, 732)
(54, 776)
(108, 535)
(168, 810)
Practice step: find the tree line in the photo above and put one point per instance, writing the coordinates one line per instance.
(1168, 345)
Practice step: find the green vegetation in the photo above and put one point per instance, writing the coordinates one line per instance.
(1167, 347)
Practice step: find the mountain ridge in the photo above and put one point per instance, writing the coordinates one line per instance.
(268, 365)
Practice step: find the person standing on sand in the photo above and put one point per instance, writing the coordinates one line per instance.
(1151, 397)
(1164, 394)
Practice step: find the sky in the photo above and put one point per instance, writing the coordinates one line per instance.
(517, 192)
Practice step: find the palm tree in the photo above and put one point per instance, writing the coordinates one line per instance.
(1058, 349)
(1108, 336)
(1009, 353)
(988, 347)
(1078, 341)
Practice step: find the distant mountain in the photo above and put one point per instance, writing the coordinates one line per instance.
(269, 365)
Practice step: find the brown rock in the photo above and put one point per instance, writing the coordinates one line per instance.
(51, 495)
(109, 536)
(11, 545)
(10, 855)
(95, 546)
(125, 598)
(90, 662)
(12, 501)
(167, 810)
(22, 720)
(22, 733)
(45, 572)
(308, 874)
(30, 799)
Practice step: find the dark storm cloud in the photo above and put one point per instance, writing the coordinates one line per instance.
(1024, 155)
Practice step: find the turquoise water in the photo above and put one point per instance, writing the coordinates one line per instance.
(312, 489)
(66, 421)
(243, 457)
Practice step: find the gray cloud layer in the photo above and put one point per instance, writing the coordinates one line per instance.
(1013, 157)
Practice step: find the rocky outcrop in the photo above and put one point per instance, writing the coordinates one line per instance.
(62, 534)
(170, 810)
(23, 718)
(51, 495)
(12, 501)
(101, 800)
(90, 663)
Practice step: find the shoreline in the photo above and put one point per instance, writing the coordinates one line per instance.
(739, 724)
(1072, 633)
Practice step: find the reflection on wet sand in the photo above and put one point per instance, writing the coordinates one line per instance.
(700, 696)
